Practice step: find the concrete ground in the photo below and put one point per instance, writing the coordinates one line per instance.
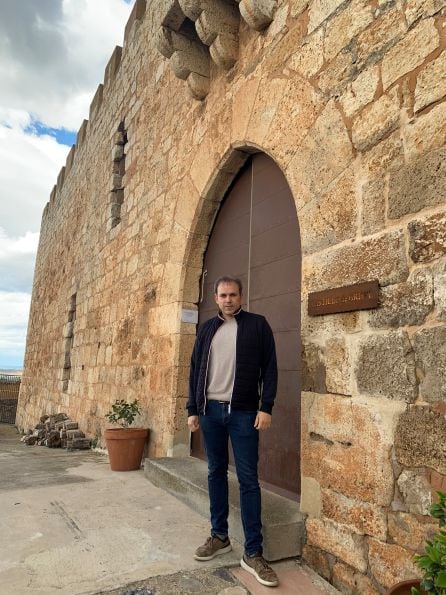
(68, 524)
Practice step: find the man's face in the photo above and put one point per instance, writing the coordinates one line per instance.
(228, 298)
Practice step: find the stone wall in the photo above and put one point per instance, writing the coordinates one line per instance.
(349, 99)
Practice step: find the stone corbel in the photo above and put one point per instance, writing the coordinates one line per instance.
(258, 13)
(189, 60)
(217, 23)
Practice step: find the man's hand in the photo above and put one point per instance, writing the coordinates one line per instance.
(192, 422)
(263, 421)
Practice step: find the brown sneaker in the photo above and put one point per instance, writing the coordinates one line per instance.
(258, 567)
(213, 547)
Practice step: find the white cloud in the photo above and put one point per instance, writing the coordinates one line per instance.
(29, 165)
(53, 54)
(17, 256)
(52, 57)
(14, 309)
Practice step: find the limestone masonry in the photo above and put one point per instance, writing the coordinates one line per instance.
(348, 98)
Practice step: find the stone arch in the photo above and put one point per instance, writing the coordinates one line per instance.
(207, 207)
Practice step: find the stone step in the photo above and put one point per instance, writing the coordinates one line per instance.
(186, 478)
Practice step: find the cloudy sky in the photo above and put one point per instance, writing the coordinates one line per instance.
(52, 58)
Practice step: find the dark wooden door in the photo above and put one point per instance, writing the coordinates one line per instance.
(256, 238)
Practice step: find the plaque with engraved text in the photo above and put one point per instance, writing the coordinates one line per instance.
(361, 296)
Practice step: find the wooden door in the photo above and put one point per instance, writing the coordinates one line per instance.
(256, 238)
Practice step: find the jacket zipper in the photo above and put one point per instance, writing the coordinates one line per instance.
(206, 379)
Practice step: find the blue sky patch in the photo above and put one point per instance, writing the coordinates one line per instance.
(62, 135)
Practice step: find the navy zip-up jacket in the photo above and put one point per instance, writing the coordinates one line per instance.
(255, 365)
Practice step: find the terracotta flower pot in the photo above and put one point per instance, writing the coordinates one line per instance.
(125, 447)
(404, 588)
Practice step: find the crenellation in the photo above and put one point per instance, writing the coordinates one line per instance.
(137, 14)
(60, 179)
(113, 65)
(97, 102)
(70, 159)
(81, 135)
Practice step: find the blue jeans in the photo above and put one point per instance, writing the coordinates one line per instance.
(217, 426)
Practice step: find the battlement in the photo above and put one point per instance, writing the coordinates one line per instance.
(104, 92)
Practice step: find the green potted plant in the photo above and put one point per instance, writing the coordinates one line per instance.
(433, 562)
(125, 445)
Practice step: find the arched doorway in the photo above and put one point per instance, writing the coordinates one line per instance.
(256, 238)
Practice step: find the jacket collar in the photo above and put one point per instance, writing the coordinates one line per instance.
(236, 314)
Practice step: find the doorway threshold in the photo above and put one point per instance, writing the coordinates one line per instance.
(186, 478)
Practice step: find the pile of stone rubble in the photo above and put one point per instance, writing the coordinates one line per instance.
(57, 431)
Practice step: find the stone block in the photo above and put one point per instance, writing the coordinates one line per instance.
(361, 517)
(427, 238)
(337, 540)
(346, 445)
(410, 531)
(320, 10)
(323, 155)
(309, 57)
(431, 83)
(284, 48)
(420, 439)
(389, 153)
(317, 560)
(338, 367)
(313, 368)
(310, 501)
(409, 52)
(373, 206)
(376, 121)
(331, 217)
(426, 133)
(345, 25)
(416, 492)
(258, 13)
(388, 27)
(422, 8)
(293, 118)
(430, 356)
(338, 73)
(361, 91)
(297, 7)
(381, 257)
(347, 580)
(419, 184)
(386, 366)
(405, 303)
(439, 272)
(390, 563)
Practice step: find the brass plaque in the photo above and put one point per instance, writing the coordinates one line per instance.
(362, 296)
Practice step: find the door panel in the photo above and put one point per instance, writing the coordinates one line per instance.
(256, 238)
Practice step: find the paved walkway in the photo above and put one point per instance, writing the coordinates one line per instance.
(70, 525)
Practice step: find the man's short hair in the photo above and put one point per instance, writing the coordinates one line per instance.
(227, 279)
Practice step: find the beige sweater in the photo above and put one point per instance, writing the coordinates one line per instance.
(221, 371)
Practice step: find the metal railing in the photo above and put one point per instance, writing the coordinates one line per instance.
(9, 396)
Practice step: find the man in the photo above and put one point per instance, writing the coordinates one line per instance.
(233, 368)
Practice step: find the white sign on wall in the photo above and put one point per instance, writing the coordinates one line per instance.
(190, 316)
